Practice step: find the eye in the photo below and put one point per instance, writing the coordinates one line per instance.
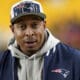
(22, 26)
(34, 25)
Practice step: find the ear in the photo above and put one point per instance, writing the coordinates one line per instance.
(44, 24)
(12, 28)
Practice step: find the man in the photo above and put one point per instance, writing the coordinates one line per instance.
(34, 53)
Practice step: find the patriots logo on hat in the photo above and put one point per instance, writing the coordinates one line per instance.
(63, 72)
(20, 6)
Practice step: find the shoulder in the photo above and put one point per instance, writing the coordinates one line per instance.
(65, 47)
(68, 51)
(4, 54)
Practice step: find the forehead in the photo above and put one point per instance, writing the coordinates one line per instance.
(28, 18)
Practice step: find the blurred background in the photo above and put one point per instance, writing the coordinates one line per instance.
(63, 19)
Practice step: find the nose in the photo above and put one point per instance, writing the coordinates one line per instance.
(29, 31)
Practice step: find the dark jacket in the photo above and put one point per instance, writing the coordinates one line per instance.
(61, 64)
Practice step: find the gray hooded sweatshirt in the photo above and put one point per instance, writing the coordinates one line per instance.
(31, 67)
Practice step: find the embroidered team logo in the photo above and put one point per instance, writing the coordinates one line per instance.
(63, 72)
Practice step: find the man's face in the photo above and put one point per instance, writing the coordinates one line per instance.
(29, 34)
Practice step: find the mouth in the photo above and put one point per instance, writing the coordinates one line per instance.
(30, 43)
